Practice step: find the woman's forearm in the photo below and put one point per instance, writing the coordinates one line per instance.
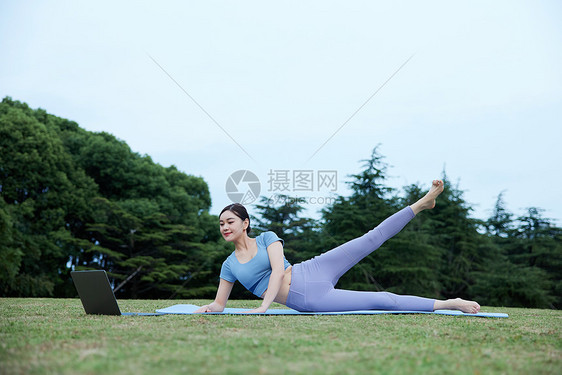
(275, 282)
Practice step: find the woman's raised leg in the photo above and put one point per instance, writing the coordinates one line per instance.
(319, 275)
(331, 265)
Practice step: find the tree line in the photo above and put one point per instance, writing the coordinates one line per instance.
(74, 199)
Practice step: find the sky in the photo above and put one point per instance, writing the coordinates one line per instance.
(298, 93)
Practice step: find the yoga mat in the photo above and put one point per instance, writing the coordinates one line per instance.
(189, 309)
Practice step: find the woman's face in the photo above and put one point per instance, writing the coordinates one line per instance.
(231, 226)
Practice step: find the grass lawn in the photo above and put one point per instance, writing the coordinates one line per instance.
(54, 336)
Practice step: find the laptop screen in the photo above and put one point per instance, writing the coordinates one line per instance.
(95, 292)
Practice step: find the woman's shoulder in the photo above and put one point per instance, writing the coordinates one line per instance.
(267, 238)
(229, 257)
(266, 234)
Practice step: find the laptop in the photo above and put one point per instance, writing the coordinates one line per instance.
(96, 294)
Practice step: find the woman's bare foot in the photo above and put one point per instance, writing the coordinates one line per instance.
(428, 201)
(469, 307)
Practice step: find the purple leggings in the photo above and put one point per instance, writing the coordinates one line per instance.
(313, 281)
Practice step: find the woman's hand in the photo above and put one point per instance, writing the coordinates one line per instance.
(225, 287)
(203, 309)
(213, 307)
(259, 310)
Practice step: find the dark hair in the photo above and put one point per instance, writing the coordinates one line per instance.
(240, 211)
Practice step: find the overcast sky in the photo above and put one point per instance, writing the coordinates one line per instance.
(219, 86)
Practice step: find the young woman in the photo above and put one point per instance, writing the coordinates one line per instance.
(259, 264)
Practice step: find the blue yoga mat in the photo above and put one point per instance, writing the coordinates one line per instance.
(189, 309)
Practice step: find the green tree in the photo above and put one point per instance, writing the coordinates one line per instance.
(512, 275)
(157, 254)
(538, 245)
(76, 199)
(500, 224)
(350, 217)
(45, 196)
(10, 254)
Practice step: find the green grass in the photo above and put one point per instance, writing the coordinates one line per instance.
(54, 336)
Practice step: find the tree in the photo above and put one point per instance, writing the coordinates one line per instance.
(10, 254)
(156, 256)
(350, 217)
(538, 244)
(44, 194)
(522, 261)
(76, 199)
(501, 221)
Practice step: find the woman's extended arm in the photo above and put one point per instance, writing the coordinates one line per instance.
(225, 287)
(276, 259)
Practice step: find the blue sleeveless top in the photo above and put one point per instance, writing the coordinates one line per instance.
(254, 274)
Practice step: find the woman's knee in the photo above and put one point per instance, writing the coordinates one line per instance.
(385, 301)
